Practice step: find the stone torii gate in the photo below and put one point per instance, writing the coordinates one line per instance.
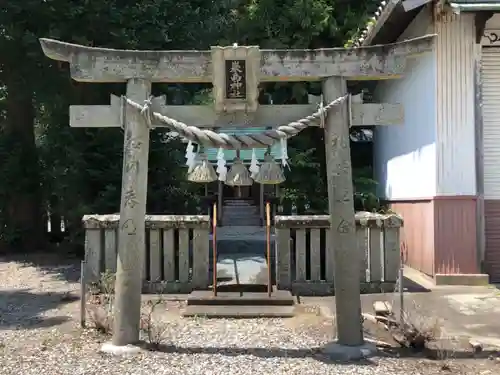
(235, 108)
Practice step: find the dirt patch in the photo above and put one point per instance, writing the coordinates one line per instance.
(310, 320)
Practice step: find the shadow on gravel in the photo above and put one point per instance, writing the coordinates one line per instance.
(433, 356)
(23, 309)
(315, 353)
(62, 266)
(438, 354)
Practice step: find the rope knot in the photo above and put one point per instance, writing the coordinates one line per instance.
(146, 111)
(322, 112)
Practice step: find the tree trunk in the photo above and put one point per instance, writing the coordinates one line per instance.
(24, 208)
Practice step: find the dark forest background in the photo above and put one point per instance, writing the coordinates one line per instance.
(49, 170)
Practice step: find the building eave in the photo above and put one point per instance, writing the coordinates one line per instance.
(378, 21)
(387, 24)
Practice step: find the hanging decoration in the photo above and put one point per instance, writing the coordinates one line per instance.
(284, 153)
(238, 175)
(190, 156)
(270, 172)
(221, 165)
(202, 171)
(254, 165)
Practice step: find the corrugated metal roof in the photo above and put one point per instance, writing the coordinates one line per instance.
(245, 155)
(385, 8)
(382, 12)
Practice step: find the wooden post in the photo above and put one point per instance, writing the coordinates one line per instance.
(268, 249)
(277, 192)
(220, 200)
(341, 209)
(83, 294)
(131, 237)
(209, 209)
(261, 203)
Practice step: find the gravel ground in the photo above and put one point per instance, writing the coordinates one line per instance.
(39, 335)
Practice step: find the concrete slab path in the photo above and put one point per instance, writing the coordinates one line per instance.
(471, 312)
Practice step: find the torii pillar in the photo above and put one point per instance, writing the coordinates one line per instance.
(342, 221)
(140, 68)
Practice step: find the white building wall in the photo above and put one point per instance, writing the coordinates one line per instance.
(455, 148)
(433, 152)
(405, 155)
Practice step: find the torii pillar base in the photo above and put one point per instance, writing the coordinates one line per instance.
(346, 353)
(120, 350)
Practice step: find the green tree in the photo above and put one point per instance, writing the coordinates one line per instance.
(47, 165)
(308, 24)
(80, 168)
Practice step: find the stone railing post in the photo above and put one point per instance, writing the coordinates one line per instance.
(378, 238)
(177, 248)
(376, 252)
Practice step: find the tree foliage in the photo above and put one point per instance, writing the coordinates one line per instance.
(48, 167)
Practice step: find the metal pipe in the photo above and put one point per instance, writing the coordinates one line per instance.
(83, 293)
(206, 198)
(214, 247)
(473, 7)
(220, 199)
(401, 297)
(268, 249)
(261, 203)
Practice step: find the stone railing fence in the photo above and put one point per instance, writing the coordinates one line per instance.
(177, 250)
(177, 254)
(304, 255)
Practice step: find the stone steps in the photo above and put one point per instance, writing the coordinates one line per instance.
(239, 311)
(241, 304)
(237, 208)
(278, 297)
(240, 213)
(250, 222)
(239, 202)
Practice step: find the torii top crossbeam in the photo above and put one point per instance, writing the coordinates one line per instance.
(91, 64)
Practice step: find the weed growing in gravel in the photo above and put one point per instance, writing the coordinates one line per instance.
(419, 330)
(422, 332)
(100, 299)
(155, 330)
(445, 348)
